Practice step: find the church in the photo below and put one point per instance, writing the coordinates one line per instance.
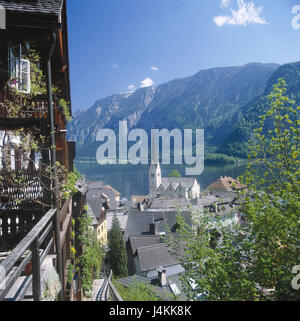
(168, 187)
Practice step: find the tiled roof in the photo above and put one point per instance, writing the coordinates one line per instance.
(122, 218)
(130, 280)
(49, 7)
(165, 293)
(214, 197)
(99, 185)
(225, 184)
(95, 202)
(142, 241)
(95, 185)
(117, 193)
(139, 222)
(151, 257)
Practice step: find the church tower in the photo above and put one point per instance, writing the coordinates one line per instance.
(154, 170)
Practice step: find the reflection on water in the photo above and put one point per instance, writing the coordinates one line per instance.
(133, 179)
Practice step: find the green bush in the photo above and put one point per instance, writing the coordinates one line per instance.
(138, 291)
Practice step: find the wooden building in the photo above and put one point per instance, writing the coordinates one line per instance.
(35, 157)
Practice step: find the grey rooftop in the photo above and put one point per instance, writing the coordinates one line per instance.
(142, 241)
(151, 257)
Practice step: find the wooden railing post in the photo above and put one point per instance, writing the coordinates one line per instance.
(36, 271)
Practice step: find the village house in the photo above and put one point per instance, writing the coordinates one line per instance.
(104, 202)
(36, 213)
(225, 184)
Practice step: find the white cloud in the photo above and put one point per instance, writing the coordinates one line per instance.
(131, 88)
(115, 66)
(246, 14)
(154, 68)
(220, 20)
(225, 3)
(148, 82)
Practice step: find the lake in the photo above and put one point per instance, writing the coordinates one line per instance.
(133, 179)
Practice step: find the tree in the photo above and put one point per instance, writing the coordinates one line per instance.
(117, 256)
(254, 260)
(174, 173)
(91, 258)
(273, 208)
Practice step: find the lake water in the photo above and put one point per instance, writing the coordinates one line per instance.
(133, 179)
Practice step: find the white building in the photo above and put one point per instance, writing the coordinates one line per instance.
(183, 187)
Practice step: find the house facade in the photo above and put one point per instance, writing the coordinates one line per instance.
(35, 156)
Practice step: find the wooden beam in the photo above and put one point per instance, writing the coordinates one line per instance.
(65, 229)
(36, 271)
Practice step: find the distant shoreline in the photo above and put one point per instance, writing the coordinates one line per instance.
(210, 159)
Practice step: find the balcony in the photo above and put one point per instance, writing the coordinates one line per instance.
(24, 267)
(26, 186)
(29, 113)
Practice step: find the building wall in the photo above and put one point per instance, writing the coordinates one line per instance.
(102, 233)
(182, 192)
(195, 190)
(137, 268)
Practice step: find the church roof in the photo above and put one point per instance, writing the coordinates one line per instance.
(184, 181)
(167, 203)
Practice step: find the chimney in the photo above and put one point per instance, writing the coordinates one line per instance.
(162, 276)
(104, 197)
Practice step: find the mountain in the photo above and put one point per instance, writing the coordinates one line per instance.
(214, 99)
(236, 143)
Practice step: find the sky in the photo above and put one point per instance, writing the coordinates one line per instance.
(122, 45)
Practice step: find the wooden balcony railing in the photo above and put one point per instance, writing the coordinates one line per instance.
(18, 226)
(27, 188)
(33, 248)
(15, 225)
(35, 108)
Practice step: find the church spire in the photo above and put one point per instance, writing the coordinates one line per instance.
(154, 150)
(154, 170)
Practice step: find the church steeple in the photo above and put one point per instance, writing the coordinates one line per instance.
(154, 170)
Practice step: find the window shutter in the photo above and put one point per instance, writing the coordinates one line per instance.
(24, 76)
(19, 69)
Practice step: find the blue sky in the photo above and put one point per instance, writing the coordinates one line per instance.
(119, 45)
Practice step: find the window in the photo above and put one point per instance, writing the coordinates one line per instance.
(19, 70)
